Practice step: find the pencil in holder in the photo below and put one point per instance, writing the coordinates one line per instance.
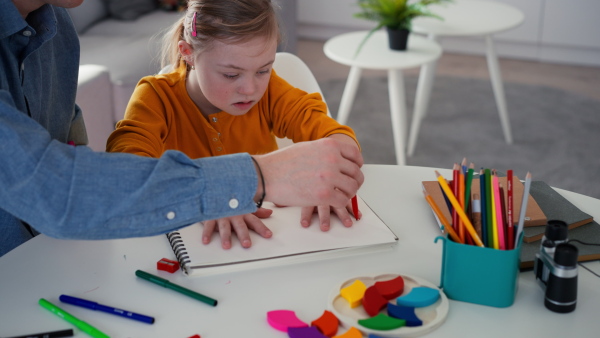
(480, 275)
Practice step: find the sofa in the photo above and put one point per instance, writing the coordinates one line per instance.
(120, 43)
(126, 44)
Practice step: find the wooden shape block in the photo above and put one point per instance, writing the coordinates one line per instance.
(373, 302)
(327, 324)
(419, 297)
(354, 293)
(351, 333)
(404, 312)
(382, 322)
(390, 289)
(283, 319)
(371, 335)
(305, 332)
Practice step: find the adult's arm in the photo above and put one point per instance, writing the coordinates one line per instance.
(73, 192)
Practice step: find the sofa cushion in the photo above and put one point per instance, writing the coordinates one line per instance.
(88, 13)
(130, 9)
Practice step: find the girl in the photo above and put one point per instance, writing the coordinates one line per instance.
(222, 98)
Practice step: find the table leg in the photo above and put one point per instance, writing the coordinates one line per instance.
(398, 111)
(348, 95)
(496, 77)
(426, 77)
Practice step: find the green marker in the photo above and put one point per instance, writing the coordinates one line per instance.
(165, 283)
(80, 324)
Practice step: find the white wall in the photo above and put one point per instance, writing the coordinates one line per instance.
(563, 31)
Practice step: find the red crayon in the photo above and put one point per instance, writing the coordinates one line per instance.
(355, 207)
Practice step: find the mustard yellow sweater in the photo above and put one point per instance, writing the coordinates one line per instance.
(161, 116)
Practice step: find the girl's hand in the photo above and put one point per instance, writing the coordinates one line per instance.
(240, 225)
(344, 214)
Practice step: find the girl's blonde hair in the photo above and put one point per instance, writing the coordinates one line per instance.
(232, 21)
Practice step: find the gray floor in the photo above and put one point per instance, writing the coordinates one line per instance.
(556, 147)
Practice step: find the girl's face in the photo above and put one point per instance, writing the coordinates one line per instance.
(231, 77)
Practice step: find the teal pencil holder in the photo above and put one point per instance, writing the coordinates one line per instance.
(480, 275)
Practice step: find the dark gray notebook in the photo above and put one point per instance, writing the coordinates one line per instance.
(554, 206)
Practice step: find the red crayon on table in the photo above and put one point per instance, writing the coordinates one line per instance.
(355, 207)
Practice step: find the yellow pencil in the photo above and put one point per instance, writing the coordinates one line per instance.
(442, 218)
(459, 210)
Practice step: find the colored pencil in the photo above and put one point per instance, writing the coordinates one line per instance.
(509, 210)
(447, 227)
(476, 214)
(455, 218)
(523, 207)
(489, 201)
(461, 213)
(507, 239)
(498, 211)
(461, 200)
(482, 196)
(468, 183)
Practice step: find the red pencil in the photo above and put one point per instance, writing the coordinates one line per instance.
(355, 207)
(509, 210)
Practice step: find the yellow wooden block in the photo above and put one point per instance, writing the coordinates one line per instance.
(354, 293)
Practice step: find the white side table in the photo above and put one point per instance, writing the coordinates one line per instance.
(465, 18)
(375, 54)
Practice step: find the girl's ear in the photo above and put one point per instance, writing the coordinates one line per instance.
(186, 51)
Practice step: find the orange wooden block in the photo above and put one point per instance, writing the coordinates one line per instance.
(390, 289)
(327, 324)
(351, 333)
(373, 302)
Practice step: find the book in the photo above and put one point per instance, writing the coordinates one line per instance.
(534, 215)
(290, 243)
(587, 233)
(554, 206)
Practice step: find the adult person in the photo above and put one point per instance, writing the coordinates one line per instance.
(69, 191)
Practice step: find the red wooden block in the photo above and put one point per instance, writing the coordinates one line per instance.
(328, 324)
(373, 302)
(167, 265)
(390, 289)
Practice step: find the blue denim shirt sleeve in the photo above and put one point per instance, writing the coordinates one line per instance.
(73, 192)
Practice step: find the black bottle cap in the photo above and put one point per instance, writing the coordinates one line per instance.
(566, 254)
(556, 230)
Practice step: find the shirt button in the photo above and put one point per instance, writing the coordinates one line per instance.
(215, 139)
(27, 33)
(219, 148)
(170, 215)
(233, 203)
(214, 119)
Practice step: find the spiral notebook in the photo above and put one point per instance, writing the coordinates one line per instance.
(290, 243)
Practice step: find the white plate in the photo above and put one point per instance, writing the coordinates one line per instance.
(432, 316)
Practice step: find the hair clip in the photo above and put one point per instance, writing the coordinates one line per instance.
(194, 24)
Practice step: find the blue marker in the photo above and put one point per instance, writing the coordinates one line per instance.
(99, 307)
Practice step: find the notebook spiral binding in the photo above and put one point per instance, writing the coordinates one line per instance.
(179, 250)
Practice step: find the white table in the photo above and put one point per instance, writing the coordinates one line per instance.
(376, 54)
(104, 270)
(465, 18)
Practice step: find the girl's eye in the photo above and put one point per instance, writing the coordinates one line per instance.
(262, 72)
(230, 76)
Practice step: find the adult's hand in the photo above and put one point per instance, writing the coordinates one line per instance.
(322, 172)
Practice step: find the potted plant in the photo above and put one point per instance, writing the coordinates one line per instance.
(396, 16)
